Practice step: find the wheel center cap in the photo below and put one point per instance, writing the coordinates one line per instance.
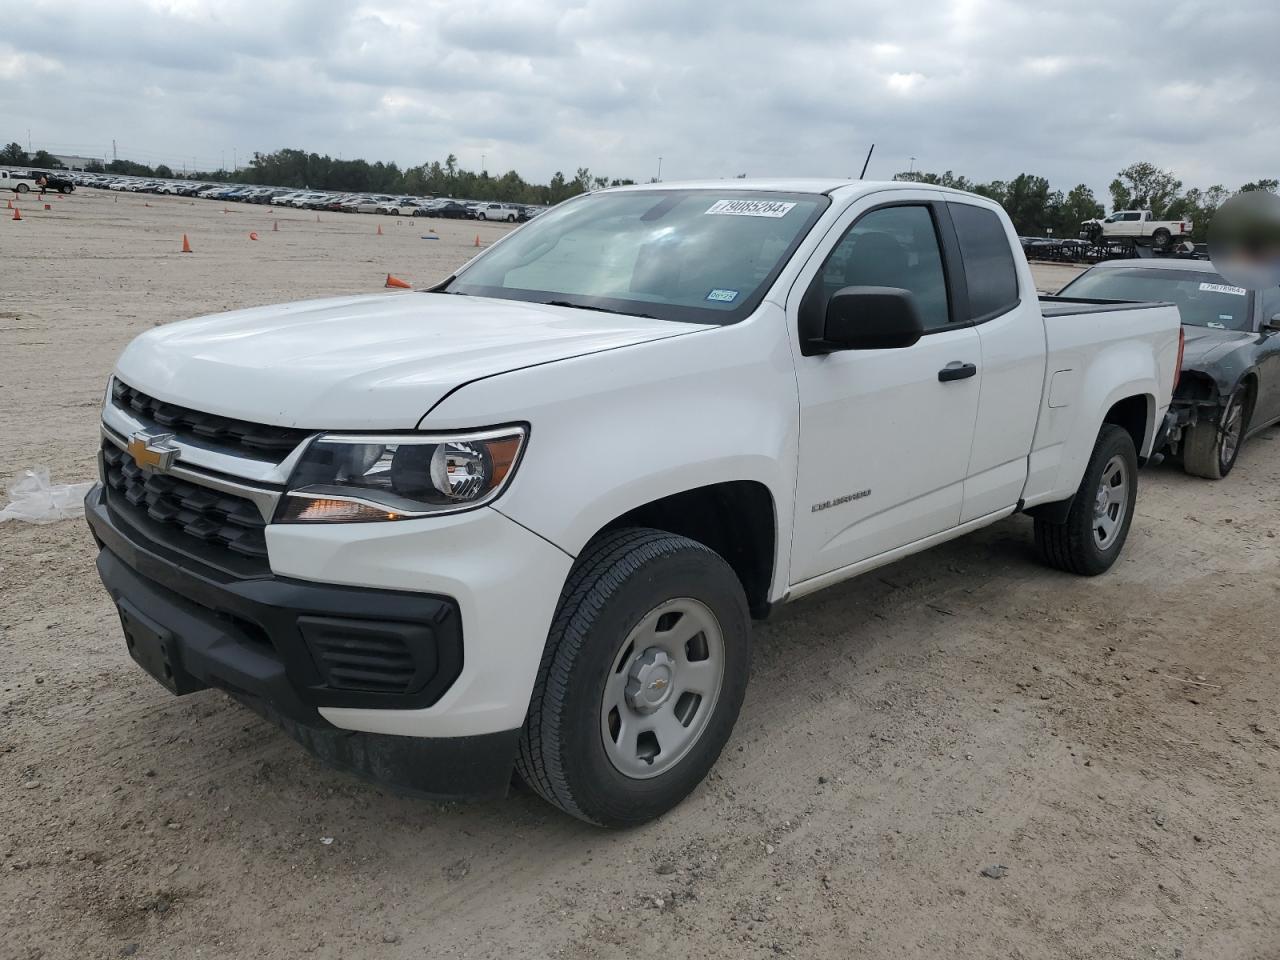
(1102, 501)
(649, 681)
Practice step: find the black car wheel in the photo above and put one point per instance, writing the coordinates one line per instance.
(1211, 449)
(1160, 239)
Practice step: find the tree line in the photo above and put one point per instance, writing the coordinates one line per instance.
(1034, 206)
(1037, 210)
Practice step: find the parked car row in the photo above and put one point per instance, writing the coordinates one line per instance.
(384, 203)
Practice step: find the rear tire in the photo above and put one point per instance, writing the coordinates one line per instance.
(1103, 503)
(593, 740)
(1160, 239)
(1210, 450)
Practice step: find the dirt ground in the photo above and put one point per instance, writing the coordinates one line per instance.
(1113, 744)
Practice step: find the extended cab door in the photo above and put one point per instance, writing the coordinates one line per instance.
(996, 293)
(884, 434)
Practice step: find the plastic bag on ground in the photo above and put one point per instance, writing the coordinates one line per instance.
(35, 499)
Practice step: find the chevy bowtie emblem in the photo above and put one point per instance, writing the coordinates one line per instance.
(659, 683)
(153, 451)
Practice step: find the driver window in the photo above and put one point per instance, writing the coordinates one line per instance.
(892, 247)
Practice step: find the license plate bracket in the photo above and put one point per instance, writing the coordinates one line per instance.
(156, 650)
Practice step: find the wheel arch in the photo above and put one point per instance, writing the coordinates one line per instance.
(735, 518)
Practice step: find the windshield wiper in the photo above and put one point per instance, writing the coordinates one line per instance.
(583, 306)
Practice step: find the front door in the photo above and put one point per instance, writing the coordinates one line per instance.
(884, 440)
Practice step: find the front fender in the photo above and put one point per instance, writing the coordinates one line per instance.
(612, 431)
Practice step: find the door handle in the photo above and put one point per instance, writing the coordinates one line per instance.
(956, 370)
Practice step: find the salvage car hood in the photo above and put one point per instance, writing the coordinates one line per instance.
(368, 362)
(1205, 345)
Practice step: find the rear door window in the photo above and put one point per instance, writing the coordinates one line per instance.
(989, 269)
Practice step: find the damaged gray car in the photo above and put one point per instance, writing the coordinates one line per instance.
(1229, 389)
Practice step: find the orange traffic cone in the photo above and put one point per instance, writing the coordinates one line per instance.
(397, 282)
(186, 244)
(17, 214)
(252, 235)
(8, 204)
(477, 239)
(275, 226)
(379, 229)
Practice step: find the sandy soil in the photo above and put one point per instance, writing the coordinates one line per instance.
(1112, 742)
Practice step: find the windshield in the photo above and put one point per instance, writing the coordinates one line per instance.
(698, 256)
(1203, 299)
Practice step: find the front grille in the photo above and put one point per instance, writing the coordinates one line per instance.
(238, 436)
(183, 513)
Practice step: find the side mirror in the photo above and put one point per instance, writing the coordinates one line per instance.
(1272, 325)
(870, 318)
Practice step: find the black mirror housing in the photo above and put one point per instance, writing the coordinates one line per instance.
(869, 318)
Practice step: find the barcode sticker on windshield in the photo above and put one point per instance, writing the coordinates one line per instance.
(1223, 288)
(750, 208)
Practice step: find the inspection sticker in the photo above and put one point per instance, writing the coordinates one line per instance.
(723, 296)
(1223, 288)
(750, 208)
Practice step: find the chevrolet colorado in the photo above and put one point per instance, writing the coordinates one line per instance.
(523, 519)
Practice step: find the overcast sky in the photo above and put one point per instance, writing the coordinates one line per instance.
(1073, 90)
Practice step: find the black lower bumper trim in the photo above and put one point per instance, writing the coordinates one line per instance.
(191, 630)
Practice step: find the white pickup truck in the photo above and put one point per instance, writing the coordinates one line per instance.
(18, 181)
(524, 519)
(1139, 226)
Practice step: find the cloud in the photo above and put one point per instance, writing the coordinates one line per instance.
(988, 88)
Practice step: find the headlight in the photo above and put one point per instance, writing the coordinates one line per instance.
(353, 478)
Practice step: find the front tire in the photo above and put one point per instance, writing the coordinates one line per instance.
(1211, 449)
(1097, 524)
(651, 642)
(481, 216)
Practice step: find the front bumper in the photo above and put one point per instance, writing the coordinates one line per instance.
(263, 640)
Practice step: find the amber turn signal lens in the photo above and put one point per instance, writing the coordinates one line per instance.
(503, 453)
(332, 510)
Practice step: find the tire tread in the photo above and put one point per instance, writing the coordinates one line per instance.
(605, 564)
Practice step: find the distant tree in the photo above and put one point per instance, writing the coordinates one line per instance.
(1144, 186)
(43, 158)
(1198, 206)
(164, 172)
(94, 166)
(13, 154)
(947, 179)
(1077, 206)
(1270, 184)
(1027, 201)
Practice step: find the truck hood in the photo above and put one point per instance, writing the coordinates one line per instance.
(375, 362)
(1205, 345)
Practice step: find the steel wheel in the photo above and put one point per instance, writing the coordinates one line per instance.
(662, 689)
(1110, 503)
